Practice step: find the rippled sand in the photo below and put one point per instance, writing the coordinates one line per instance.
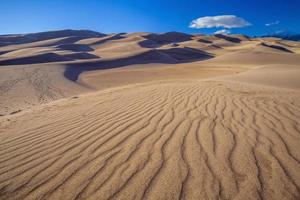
(174, 140)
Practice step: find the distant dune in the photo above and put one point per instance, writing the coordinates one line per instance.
(156, 40)
(282, 76)
(34, 37)
(39, 58)
(85, 115)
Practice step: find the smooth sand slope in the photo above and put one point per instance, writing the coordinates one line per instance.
(149, 116)
(281, 76)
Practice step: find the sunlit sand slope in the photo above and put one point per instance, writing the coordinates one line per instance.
(172, 140)
(22, 87)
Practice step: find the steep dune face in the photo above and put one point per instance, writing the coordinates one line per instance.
(177, 140)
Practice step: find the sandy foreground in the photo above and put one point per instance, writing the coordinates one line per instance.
(169, 122)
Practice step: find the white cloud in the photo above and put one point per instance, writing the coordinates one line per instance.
(223, 31)
(272, 23)
(226, 21)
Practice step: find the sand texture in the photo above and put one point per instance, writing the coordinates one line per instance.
(178, 117)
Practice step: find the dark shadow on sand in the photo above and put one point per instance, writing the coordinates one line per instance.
(154, 40)
(47, 58)
(114, 37)
(164, 56)
(205, 41)
(228, 38)
(277, 47)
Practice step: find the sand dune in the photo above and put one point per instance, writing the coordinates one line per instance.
(85, 115)
(75, 47)
(22, 87)
(81, 55)
(103, 79)
(255, 58)
(228, 38)
(25, 52)
(177, 140)
(156, 40)
(164, 56)
(277, 47)
(34, 37)
(39, 58)
(285, 76)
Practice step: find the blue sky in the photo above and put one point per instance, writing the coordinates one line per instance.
(111, 16)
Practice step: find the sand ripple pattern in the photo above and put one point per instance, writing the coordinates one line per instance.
(186, 140)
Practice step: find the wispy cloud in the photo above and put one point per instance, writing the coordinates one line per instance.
(272, 23)
(223, 31)
(225, 21)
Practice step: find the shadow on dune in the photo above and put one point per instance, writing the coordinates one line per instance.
(47, 58)
(205, 41)
(41, 58)
(81, 55)
(75, 47)
(114, 37)
(164, 56)
(156, 40)
(228, 38)
(214, 46)
(280, 48)
(4, 52)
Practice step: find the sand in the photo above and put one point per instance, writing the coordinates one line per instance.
(168, 125)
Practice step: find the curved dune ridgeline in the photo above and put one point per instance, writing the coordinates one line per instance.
(168, 140)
